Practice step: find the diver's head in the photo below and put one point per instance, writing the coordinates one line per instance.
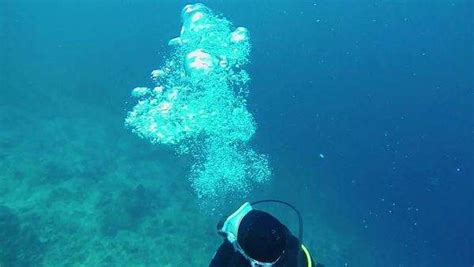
(262, 236)
(257, 235)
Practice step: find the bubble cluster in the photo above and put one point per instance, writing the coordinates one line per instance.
(198, 105)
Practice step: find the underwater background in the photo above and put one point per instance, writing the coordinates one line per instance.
(364, 108)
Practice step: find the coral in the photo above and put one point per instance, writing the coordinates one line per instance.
(127, 210)
(19, 245)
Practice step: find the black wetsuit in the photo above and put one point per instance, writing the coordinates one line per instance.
(294, 256)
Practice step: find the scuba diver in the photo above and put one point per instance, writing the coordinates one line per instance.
(254, 238)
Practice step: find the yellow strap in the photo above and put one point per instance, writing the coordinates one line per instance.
(308, 257)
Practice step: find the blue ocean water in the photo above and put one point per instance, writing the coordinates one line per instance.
(364, 108)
